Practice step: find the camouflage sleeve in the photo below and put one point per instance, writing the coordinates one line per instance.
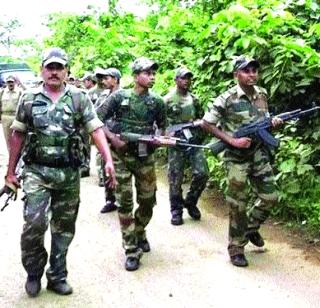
(161, 120)
(20, 123)
(89, 116)
(198, 108)
(107, 107)
(216, 110)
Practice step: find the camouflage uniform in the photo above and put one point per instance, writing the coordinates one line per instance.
(108, 192)
(184, 109)
(51, 182)
(136, 114)
(231, 110)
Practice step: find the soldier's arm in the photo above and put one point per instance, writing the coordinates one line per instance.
(101, 143)
(215, 114)
(162, 119)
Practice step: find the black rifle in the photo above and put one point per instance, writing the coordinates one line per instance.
(158, 141)
(181, 126)
(11, 195)
(260, 129)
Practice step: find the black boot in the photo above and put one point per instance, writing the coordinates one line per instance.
(60, 287)
(255, 238)
(109, 207)
(193, 211)
(132, 263)
(144, 245)
(33, 285)
(239, 260)
(176, 219)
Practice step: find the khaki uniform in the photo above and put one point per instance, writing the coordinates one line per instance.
(9, 102)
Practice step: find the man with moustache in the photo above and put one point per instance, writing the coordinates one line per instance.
(46, 133)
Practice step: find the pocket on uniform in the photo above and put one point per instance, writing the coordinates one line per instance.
(68, 117)
(40, 116)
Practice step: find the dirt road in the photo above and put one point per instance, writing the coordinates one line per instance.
(188, 265)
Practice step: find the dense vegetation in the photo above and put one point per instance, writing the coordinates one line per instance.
(206, 36)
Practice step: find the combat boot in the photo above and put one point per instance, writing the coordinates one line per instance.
(109, 207)
(33, 285)
(60, 287)
(239, 260)
(132, 263)
(255, 238)
(144, 245)
(193, 211)
(176, 219)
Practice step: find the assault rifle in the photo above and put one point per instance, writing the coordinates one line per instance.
(180, 127)
(167, 141)
(260, 129)
(11, 195)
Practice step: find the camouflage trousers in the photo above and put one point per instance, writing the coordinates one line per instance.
(246, 216)
(51, 197)
(177, 163)
(133, 223)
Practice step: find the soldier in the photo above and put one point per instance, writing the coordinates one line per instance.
(111, 82)
(48, 120)
(94, 94)
(9, 98)
(183, 106)
(246, 159)
(96, 91)
(89, 81)
(137, 110)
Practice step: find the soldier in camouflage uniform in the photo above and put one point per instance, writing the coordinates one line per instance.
(111, 82)
(246, 159)
(94, 94)
(48, 120)
(137, 111)
(183, 106)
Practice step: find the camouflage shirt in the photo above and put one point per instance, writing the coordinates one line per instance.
(52, 124)
(134, 113)
(95, 93)
(182, 108)
(234, 108)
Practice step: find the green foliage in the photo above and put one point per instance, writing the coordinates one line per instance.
(206, 36)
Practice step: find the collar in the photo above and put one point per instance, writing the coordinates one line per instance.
(241, 93)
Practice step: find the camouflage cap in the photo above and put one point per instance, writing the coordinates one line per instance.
(88, 76)
(10, 78)
(182, 72)
(113, 72)
(100, 71)
(54, 55)
(143, 64)
(243, 61)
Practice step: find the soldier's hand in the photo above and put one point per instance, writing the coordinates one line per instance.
(111, 181)
(241, 143)
(119, 145)
(12, 182)
(276, 121)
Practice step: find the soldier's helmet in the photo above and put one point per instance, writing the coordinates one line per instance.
(243, 61)
(54, 55)
(143, 64)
